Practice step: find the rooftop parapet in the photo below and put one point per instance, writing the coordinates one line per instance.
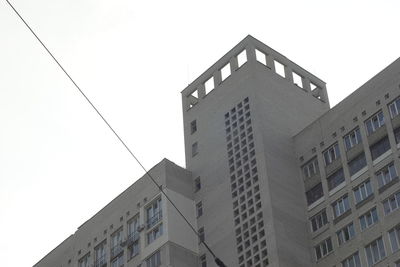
(251, 50)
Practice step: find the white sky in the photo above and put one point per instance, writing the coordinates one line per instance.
(59, 164)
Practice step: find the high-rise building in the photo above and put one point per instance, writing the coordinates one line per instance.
(274, 176)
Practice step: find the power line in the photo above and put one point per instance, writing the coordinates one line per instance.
(216, 259)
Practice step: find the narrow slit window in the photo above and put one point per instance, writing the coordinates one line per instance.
(261, 57)
(279, 68)
(225, 71)
(209, 85)
(242, 58)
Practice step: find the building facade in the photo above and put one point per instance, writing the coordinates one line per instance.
(274, 176)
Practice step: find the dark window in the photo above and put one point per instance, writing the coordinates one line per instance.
(203, 261)
(197, 184)
(352, 139)
(193, 127)
(394, 107)
(331, 154)
(201, 234)
(314, 194)
(199, 208)
(375, 122)
(379, 148)
(335, 179)
(195, 149)
(319, 220)
(397, 135)
(357, 164)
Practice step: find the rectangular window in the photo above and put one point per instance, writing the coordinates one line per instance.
(392, 203)
(118, 261)
(133, 233)
(154, 213)
(369, 218)
(397, 135)
(133, 249)
(379, 148)
(362, 191)
(84, 261)
(318, 220)
(323, 248)
(193, 127)
(310, 168)
(100, 254)
(394, 237)
(352, 139)
(394, 107)
(357, 164)
(335, 179)
(314, 194)
(195, 149)
(199, 209)
(116, 239)
(203, 261)
(331, 154)
(346, 233)
(375, 252)
(201, 234)
(352, 261)
(155, 233)
(154, 260)
(386, 175)
(197, 184)
(375, 122)
(340, 206)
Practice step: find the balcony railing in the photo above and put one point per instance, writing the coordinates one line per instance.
(101, 262)
(132, 237)
(116, 250)
(154, 220)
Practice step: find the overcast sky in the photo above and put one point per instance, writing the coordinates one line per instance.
(59, 164)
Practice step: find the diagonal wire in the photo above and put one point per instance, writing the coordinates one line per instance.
(217, 260)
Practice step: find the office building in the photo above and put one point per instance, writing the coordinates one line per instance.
(274, 176)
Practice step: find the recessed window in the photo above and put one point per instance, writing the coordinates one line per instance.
(379, 148)
(352, 139)
(154, 260)
(84, 261)
(193, 127)
(199, 209)
(386, 175)
(154, 233)
(323, 248)
(375, 251)
(352, 261)
(346, 233)
(335, 179)
(116, 240)
(394, 237)
(195, 149)
(314, 194)
(357, 164)
(310, 168)
(319, 220)
(203, 260)
(242, 58)
(201, 234)
(331, 154)
(363, 191)
(394, 107)
(197, 184)
(392, 203)
(375, 122)
(341, 205)
(118, 261)
(397, 135)
(369, 218)
(154, 213)
(100, 254)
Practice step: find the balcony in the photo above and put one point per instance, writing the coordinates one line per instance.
(100, 262)
(154, 220)
(116, 250)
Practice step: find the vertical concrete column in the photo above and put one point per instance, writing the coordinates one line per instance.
(288, 73)
(217, 78)
(251, 53)
(270, 62)
(234, 64)
(324, 94)
(306, 84)
(201, 90)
